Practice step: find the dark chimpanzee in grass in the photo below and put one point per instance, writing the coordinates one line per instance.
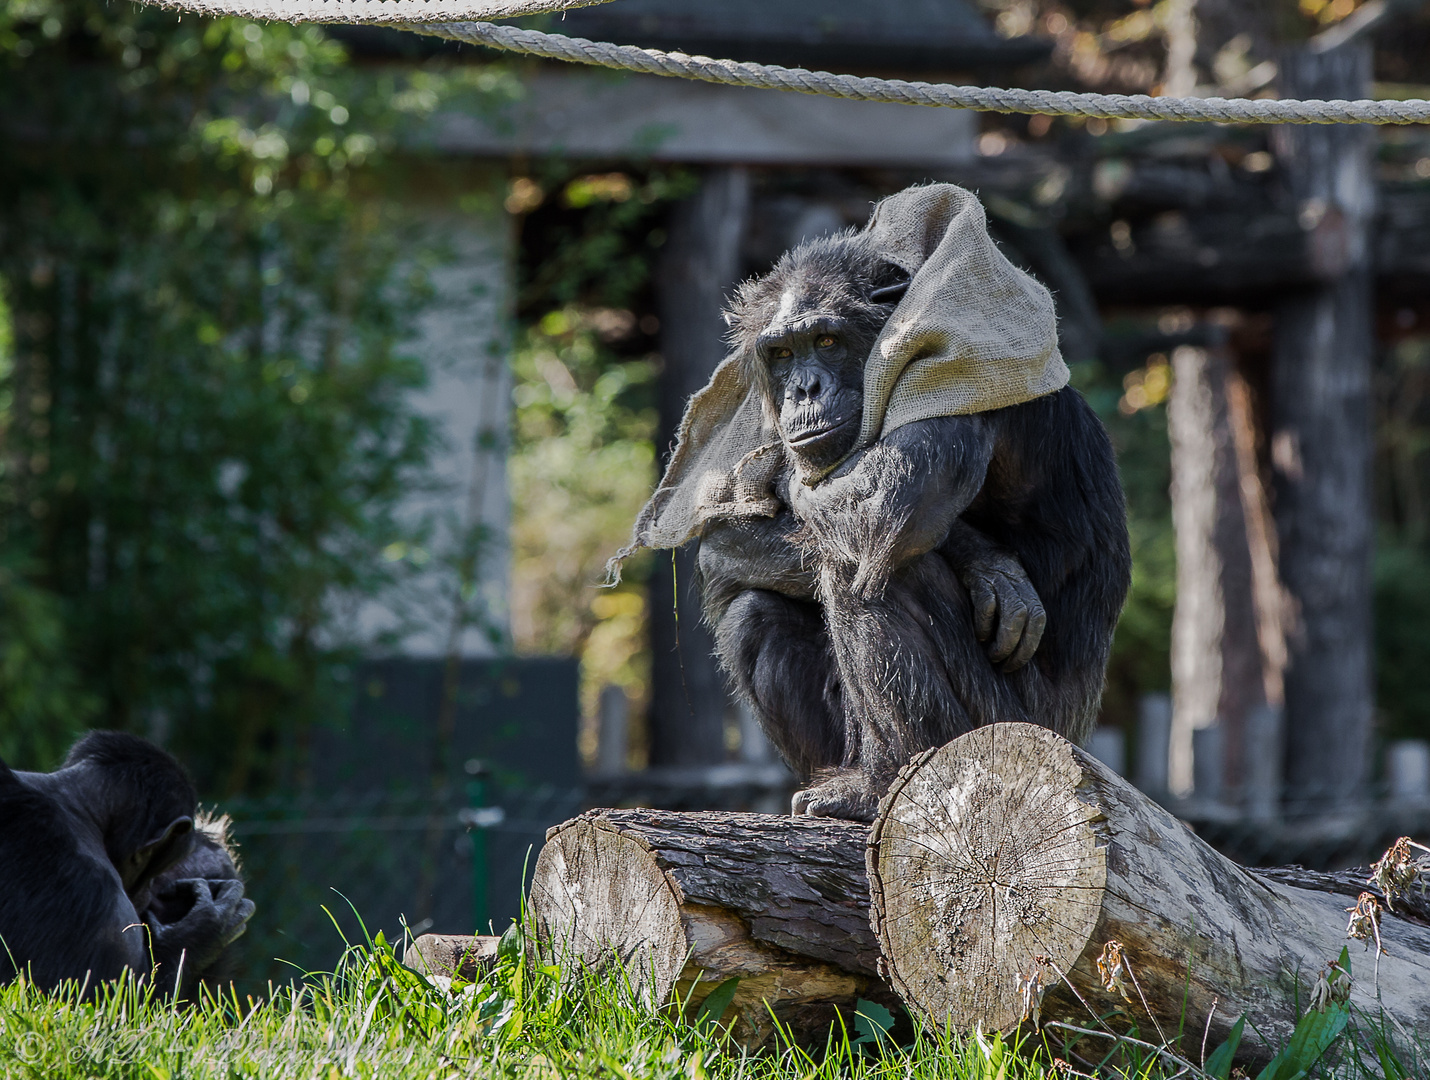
(208, 873)
(956, 571)
(87, 857)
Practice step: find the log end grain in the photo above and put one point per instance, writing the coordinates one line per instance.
(600, 899)
(981, 877)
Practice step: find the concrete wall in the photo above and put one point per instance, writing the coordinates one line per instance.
(464, 337)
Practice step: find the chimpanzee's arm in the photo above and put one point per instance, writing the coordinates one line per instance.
(902, 498)
(755, 553)
(898, 499)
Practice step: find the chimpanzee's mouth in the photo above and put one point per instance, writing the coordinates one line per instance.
(808, 436)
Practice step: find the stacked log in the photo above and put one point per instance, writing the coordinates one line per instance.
(1002, 868)
(452, 956)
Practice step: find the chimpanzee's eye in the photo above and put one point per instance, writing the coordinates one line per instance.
(827, 341)
(781, 354)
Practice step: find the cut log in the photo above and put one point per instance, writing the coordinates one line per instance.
(681, 902)
(1010, 855)
(453, 955)
(1412, 906)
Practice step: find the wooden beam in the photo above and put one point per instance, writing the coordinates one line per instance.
(1197, 257)
(1228, 649)
(700, 264)
(580, 114)
(1322, 442)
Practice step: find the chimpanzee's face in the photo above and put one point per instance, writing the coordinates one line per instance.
(815, 360)
(805, 330)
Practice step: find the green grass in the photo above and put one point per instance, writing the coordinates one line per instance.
(374, 1018)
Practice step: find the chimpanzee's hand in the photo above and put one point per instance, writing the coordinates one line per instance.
(217, 916)
(232, 908)
(1008, 615)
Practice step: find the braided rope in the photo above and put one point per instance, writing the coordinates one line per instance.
(992, 99)
(426, 17)
(381, 12)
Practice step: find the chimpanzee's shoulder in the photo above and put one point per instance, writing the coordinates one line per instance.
(52, 884)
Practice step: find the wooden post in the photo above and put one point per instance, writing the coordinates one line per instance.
(680, 902)
(1321, 441)
(700, 265)
(613, 712)
(1227, 645)
(1010, 855)
(1154, 728)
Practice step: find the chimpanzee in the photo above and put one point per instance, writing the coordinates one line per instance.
(849, 606)
(77, 848)
(208, 873)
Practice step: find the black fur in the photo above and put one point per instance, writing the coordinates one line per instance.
(81, 852)
(962, 570)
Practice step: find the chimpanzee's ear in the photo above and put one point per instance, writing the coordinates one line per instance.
(156, 856)
(890, 283)
(889, 294)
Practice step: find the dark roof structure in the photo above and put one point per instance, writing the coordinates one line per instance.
(887, 36)
(890, 35)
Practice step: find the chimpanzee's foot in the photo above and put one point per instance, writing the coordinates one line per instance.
(840, 793)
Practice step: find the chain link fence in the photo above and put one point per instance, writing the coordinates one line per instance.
(448, 862)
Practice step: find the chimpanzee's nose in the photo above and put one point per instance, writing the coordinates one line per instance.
(805, 387)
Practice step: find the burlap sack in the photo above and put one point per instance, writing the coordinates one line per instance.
(972, 333)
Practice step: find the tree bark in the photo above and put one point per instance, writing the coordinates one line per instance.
(683, 901)
(701, 263)
(1321, 441)
(1010, 844)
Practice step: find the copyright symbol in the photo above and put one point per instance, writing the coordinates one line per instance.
(30, 1047)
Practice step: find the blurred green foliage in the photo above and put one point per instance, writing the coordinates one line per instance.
(1402, 565)
(204, 428)
(1140, 661)
(1402, 639)
(583, 456)
(583, 463)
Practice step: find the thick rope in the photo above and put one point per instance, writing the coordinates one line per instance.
(383, 12)
(426, 17)
(992, 99)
